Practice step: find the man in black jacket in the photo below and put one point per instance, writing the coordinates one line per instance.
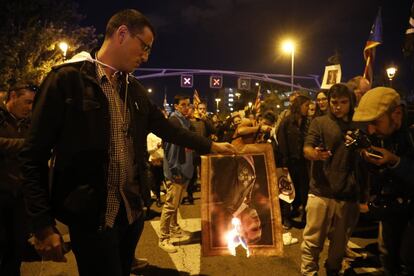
(94, 116)
(392, 179)
(14, 123)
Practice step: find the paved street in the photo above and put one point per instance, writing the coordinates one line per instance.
(188, 260)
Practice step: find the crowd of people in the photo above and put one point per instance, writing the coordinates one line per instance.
(94, 147)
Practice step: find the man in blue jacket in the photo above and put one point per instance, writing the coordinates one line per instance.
(178, 170)
(92, 117)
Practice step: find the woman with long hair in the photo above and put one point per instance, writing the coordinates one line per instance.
(291, 135)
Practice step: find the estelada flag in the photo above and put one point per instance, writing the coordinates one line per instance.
(258, 101)
(408, 48)
(374, 39)
(196, 99)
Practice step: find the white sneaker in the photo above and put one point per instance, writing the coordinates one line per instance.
(167, 246)
(288, 239)
(180, 234)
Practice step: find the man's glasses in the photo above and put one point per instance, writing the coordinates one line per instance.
(146, 47)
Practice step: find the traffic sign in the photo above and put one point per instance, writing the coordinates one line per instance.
(216, 81)
(187, 81)
(243, 83)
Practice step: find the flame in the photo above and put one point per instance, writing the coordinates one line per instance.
(234, 238)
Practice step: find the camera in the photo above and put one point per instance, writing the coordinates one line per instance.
(360, 140)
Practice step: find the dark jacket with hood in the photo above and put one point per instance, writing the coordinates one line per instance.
(71, 118)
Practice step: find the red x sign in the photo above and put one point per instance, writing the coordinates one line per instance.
(216, 81)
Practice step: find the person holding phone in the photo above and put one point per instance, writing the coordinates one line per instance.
(333, 190)
(392, 180)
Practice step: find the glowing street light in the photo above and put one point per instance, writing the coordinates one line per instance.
(289, 47)
(237, 95)
(217, 102)
(64, 48)
(149, 90)
(391, 73)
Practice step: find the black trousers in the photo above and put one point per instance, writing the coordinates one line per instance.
(13, 234)
(299, 173)
(109, 251)
(157, 179)
(396, 245)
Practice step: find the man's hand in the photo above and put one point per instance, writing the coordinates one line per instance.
(321, 153)
(265, 128)
(388, 158)
(222, 148)
(49, 244)
(250, 225)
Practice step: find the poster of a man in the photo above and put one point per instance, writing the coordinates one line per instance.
(241, 187)
(332, 75)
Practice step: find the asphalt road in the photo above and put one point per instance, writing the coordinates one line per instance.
(188, 259)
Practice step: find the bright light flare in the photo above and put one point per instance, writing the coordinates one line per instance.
(288, 46)
(234, 238)
(63, 46)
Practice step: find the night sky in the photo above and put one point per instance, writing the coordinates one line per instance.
(244, 35)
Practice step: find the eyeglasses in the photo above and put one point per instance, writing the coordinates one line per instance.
(146, 47)
(321, 100)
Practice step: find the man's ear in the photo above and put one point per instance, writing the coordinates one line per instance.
(13, 95)
(121, 33)
(397, 114)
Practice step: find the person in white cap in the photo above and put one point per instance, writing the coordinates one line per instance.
(393, 181)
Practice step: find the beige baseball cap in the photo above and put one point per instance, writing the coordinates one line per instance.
(375, 103)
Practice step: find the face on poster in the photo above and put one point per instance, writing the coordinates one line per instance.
(240, 187)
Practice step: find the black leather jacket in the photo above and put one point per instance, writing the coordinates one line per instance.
(71, 117)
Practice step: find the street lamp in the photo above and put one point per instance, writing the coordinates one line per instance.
(149, 90)
(237, 95)
(391, 73)
(64, 48)
(217, 103)
(289, 47)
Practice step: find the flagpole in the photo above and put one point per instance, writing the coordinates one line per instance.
(292, 69)
(366, 66)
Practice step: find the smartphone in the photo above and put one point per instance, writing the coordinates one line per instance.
(373, 155)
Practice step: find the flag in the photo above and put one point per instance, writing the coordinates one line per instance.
(165, 100)
(258, 101)
(374, 39)
(408, 48)
(196, 99)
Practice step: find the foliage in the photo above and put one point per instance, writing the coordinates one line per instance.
(270, 103)
(29, 37)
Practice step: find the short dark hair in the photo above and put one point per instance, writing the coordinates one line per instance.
(133, 19)
(342, 90)
(178, 98)
(270, 116)
(19, 88)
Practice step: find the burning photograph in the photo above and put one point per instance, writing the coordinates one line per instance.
(241, 204)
